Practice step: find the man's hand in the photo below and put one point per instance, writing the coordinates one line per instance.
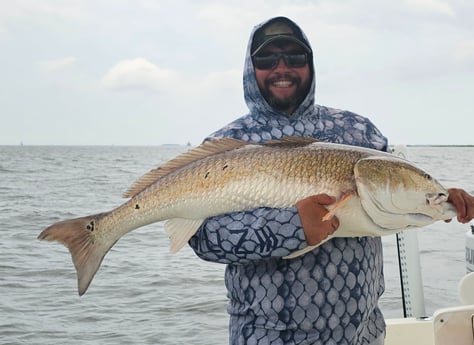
(464, 203)
(311, 211)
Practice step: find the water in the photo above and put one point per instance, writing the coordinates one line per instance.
(142, 294)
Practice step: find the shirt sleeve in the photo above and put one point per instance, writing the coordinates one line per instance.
(240, 237)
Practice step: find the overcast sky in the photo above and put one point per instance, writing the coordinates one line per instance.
(149, 72)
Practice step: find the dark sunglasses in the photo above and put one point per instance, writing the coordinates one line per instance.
(293, 60)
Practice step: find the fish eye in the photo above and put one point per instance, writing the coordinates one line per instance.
(427, 176)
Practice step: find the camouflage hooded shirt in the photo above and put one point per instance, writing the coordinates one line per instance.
(327, 296)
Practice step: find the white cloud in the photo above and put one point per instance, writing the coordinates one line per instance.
(433, 6)
(464, 51)
(371, 56)
(142, 75)
(139, 73)
(228, 17)
(32, 9)
(221, 80)
(58, 64)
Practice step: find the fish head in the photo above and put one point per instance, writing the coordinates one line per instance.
(398, 195)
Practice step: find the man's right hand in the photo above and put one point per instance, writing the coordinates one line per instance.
(311, 211)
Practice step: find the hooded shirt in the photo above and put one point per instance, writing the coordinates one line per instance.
(326, 296)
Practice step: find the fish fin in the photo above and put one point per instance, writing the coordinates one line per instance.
(300, 252)
(208, 148)
(306, 249)
(338, 205)
(87, 252)
(291, 142)
(180, 231)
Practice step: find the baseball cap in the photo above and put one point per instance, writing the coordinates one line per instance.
(279, 28)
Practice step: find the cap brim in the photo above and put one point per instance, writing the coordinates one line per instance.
(282, 38)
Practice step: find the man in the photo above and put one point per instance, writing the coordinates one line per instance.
(329, 295)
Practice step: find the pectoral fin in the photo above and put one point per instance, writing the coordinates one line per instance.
(338, 205)
(306, 249)
(180, 231)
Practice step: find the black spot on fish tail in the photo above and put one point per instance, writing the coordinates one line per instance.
(86, 250)
(90, 226)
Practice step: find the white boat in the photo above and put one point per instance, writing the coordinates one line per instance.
(447, 326)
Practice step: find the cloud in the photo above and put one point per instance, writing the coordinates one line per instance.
(464, 51)
(228, 17)
(139, 74)
(432, 6)
(373, 57)
(142, 75)
(58, 64)
(64, 73)
(221, 81)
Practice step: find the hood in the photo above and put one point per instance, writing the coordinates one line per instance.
(257, 105)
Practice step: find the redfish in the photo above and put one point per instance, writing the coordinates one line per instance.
(378, 194)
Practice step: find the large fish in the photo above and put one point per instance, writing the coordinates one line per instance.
(378, 194)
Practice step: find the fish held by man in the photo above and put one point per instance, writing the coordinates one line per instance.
(378, 194)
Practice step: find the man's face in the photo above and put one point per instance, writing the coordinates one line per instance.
(283, 87)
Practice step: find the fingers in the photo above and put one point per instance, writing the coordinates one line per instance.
(334, 221)
(323, 199)
(464, 203)
(312, 211)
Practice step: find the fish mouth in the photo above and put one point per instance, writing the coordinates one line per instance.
(389, 214)
(403, 219)
(435, 199)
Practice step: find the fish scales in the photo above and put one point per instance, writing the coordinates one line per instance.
(386, 194)
(247, 178)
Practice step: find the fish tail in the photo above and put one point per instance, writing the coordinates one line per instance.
(86, 248)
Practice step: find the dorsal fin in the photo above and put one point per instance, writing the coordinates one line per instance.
(290, 142)
(206, 149)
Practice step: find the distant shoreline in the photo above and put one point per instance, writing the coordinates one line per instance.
(428, 145)
(189, 145)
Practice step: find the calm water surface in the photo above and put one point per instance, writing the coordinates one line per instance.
(142, 294)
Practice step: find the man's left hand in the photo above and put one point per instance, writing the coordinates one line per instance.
(464, 203)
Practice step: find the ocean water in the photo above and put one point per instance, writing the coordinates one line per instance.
(142, 294)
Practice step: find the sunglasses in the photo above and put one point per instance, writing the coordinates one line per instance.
(293, 60)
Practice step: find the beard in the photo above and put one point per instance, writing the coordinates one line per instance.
(290, 102)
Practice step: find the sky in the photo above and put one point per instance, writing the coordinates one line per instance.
(150, 72)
